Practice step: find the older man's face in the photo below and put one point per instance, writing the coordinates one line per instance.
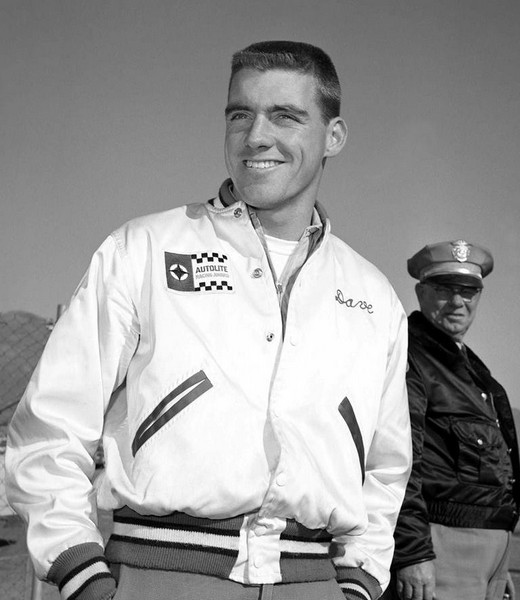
(450, 307)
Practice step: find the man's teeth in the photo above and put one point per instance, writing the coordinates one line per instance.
(260, 164)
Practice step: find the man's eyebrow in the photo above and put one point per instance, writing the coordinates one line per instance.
(235, 106)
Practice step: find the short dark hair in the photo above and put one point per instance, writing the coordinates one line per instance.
(295, 56)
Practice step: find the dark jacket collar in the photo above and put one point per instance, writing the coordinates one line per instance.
(424, 329)
(435, 341)
(441, 346)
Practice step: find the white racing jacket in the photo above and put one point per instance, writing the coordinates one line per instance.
(173, 350)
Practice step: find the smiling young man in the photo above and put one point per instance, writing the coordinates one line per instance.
(277, 139)
(461, 504)
(246, 371)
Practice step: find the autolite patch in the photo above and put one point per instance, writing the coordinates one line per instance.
(200, 272)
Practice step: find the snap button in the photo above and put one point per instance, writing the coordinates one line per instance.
(480, 442)
(257, 273)
(281, 480)
(269, 337)
(237, 213)
(484, 396)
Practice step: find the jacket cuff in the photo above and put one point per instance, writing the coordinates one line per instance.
(357, 583)
(82, 573)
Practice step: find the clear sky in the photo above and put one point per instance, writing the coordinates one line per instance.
(111, 109)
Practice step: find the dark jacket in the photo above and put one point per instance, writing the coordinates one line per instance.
(466, 469)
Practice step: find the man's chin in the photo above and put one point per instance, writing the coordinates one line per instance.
(457, 333)
(258, 196)
(453, 330)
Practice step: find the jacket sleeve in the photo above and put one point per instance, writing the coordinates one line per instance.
(58, 423)
(413, 543)
(364, 569)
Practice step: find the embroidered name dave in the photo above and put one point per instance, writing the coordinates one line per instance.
(200, 272)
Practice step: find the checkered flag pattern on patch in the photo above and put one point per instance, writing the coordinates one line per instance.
(198, 272)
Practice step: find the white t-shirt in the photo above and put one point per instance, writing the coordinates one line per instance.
(279, 252)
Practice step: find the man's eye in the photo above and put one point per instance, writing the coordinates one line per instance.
(287, 117)
(237, 116)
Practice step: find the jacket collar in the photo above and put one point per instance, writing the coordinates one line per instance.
(320, 220)
(439, 344)
(446, 351)
(225, 193)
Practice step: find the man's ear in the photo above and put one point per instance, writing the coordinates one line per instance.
(337, 133)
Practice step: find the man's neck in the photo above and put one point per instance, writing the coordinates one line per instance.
(288, 226)
(287, 222)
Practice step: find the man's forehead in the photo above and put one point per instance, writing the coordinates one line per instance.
(278, 85)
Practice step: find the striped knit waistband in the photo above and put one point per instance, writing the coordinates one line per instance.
(180, 542)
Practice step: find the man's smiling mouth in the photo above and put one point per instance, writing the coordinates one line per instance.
(261, 164)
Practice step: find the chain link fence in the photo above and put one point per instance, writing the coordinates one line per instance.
(22, 339)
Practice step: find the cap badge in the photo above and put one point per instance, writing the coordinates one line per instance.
(460, 250)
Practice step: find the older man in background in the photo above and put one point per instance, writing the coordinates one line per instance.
(454, 529)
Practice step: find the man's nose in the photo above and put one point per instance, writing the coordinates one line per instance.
(456, 299)
(259, 134)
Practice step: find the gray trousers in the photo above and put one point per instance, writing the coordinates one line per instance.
(471, 564)
(149, 584)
